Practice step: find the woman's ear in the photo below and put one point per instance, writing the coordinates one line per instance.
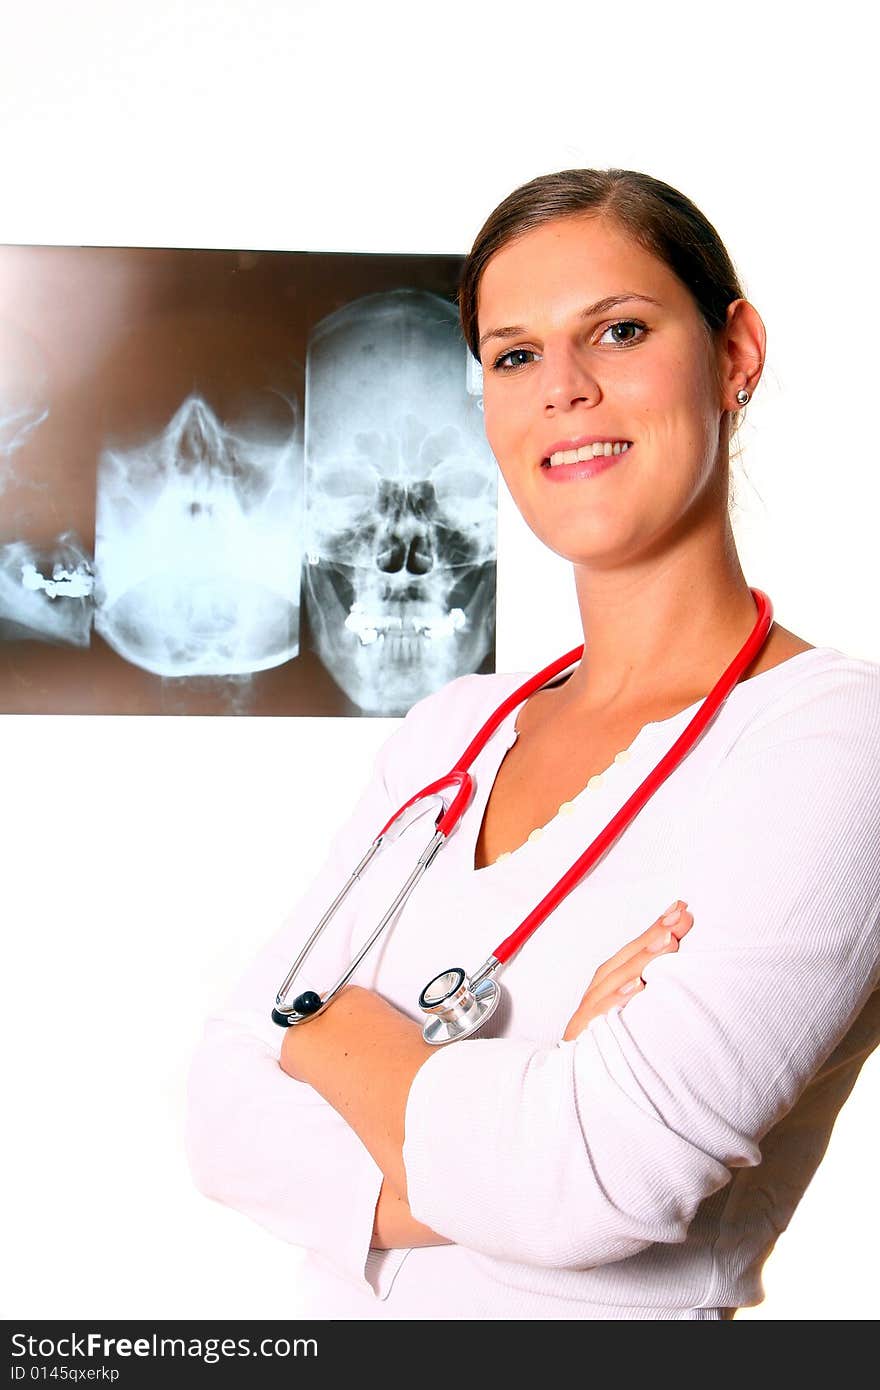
(742, 350)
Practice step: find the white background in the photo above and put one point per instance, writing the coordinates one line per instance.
(146, 859)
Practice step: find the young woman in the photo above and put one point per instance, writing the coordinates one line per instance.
(598, 1152)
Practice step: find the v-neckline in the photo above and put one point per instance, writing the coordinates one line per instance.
(507, 734)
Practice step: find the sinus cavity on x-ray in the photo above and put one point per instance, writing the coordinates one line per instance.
(239, 482)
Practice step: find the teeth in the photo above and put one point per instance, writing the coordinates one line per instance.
(589, 451)
(370, 628)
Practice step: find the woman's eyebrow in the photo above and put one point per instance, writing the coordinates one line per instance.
(514, 330)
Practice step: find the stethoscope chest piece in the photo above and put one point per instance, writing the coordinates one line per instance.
(456, 1007)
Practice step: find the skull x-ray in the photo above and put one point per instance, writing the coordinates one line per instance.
(239, 482)
(401, 501)
(198, 548)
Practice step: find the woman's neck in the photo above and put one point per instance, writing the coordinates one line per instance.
(666, 630)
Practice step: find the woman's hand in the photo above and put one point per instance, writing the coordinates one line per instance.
(395, 1227)
(615, 982)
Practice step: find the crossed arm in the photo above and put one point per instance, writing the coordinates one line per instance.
(719, 1050)
(362, 1056)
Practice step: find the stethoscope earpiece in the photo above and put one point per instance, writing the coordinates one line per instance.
(307, 1003)
(304, 1005)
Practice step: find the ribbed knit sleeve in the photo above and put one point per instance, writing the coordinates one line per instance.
(266, 1144)
(583, 1153)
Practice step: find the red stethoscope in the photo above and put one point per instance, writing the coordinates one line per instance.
(456, 1004)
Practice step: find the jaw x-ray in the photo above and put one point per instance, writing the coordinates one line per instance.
(32, 581)
(329, 546)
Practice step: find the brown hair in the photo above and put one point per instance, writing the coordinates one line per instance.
(653, 213)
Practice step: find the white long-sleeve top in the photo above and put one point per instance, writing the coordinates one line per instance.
(646, 1168)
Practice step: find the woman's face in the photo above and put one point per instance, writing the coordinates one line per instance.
(641, 370)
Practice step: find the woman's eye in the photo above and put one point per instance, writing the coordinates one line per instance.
(507, 362)
(625, 323)
(514, 352)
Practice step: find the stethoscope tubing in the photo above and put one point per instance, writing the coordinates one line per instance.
(631, 807)
(460, 779)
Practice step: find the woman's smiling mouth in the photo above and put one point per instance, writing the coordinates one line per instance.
(585, 461)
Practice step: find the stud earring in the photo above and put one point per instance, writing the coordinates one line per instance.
(743, 396)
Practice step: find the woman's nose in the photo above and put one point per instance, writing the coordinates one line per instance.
(566, 379)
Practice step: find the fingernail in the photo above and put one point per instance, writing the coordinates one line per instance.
(672, 917)
(672, 906)
(661, 945)
(633, 985)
